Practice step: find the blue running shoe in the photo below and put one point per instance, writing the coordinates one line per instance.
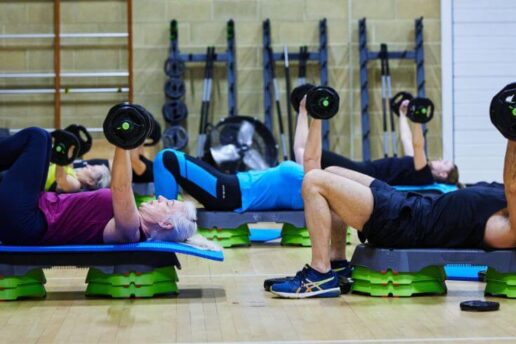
(308, 283)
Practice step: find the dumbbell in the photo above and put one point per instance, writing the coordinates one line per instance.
(65, 147)
(502, 111)
(419, 110)
(83, 135)
(128, 125)
(322, 102)
(155, 134)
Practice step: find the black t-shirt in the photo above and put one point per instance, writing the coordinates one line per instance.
(400, 171)
(458, 219)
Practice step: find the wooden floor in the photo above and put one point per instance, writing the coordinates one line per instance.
(225, 302)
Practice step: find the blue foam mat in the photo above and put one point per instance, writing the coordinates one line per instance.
(171, 247)
(443, 188)
(264, 234)
(463, 272)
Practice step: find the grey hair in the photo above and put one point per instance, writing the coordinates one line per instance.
(103, 180)
(184, 225)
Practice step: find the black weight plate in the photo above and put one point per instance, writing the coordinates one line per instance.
(174, 112)
(322, 102)
(298, 93)
(175, 88)
(126, 126)
(65, 147)
(155, 135)
(398, 99)
(479, 306)
(420, 110)
(502, 111)
(83, 135)
(175, 137)
(174, 68)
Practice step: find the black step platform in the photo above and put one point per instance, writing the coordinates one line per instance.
(414, 260)
(225, 219)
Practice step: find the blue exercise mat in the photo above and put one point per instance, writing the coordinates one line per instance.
(171, 247)
(463, 272)
(443, 188)
(264, 234)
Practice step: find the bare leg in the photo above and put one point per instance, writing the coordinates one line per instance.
(501, 233)
(338, 238)
(324, 192)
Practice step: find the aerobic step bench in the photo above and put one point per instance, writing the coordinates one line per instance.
(120, 271)
(407, 272)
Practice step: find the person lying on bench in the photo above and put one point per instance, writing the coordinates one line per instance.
(29, 216)
(474, 217)
(412, 169)
(95, 174)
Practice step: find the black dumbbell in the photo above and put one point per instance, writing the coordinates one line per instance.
(83, 135)
(155, 134)
(502, 111)
(127, 125)
(420, 110)
(322, 102)
(399, 98)
(65, 147)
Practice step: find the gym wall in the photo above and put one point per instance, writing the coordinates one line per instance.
(202, 23)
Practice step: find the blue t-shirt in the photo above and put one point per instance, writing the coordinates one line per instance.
(275, 188)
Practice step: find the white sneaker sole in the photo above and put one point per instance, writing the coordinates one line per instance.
(333, 292)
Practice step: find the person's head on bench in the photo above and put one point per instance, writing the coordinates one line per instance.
(444, 171)
(168, 220)
(93, 177)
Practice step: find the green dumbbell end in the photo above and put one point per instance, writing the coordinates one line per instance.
(423, 111)
(125, 126)
(59, 149)
(325, 102)
(514, 112)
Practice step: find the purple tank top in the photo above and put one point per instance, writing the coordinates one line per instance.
(77, 218)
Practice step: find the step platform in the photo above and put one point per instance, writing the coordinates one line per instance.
(130, 270)
(404, 272)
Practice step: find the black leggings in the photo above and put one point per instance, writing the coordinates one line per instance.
(213, 189)
(26, 157)
(331, 159)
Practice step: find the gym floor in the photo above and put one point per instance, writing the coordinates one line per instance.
(225, 302)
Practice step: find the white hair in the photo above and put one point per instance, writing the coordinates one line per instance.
(184, 225)
(101, 180)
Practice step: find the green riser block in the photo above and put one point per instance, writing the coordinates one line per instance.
(158, 275)
(390, 289)
(132, 290)
(23, 291)
(295, 241)
(508, 278)
(234, 241)
(143, 198)
(495, 288)
(223, 234)
(431, 273)
(35, 276)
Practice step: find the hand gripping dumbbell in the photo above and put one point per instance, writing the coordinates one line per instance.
(322, 102)
(419, 110)
(128, 125)
(503, 111)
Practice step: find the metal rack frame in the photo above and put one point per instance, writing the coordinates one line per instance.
(365, 56)
(321, 56)
(229, 57)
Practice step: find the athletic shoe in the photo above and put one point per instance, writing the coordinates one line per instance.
(308, 283)
(341, 267)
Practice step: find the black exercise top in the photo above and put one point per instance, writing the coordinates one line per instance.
(393, 171)
(411, 220)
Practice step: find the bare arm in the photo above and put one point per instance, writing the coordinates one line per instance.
(301, 134)
(125, 225)
(405, 133)
(138, 166)
(66, 182)
(509, 181)
(313, 149)
(418, 143)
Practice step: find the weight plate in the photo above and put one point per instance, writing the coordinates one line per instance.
(174, 68)
(174, 112)
(83, 135)
(65, 147)
(126, 126)
(175, 88)
(175, 137)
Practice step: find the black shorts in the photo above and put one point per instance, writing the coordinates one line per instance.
(395, 221)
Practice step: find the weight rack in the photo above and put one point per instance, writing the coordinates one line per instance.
(365, 56)
(229, 57)
(321, 56)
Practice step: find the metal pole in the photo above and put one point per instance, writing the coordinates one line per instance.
(130, 49)
(57, 64)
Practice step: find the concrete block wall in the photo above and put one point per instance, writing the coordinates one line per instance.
(202, 23)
